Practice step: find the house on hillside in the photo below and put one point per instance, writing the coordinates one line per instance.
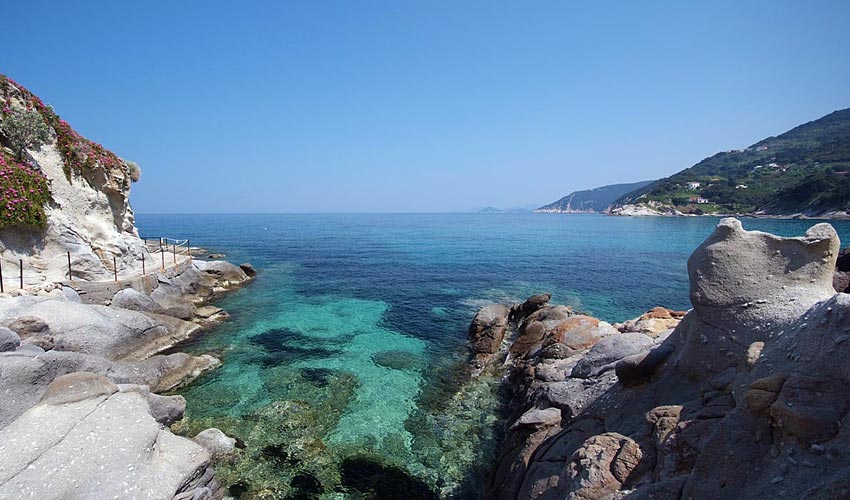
(693, 185)
(741, 186)
(698, 200)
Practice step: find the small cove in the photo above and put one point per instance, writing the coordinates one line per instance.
(342, 361)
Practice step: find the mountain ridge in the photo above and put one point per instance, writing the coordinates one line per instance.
(596, 200)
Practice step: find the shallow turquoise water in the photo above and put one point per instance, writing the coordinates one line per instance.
(348, 342)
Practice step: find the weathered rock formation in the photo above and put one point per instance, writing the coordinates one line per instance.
(90, 438)
(79, 362)
(89, 216)
(744, 397)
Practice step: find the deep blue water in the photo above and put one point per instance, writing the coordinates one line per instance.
(355, 317)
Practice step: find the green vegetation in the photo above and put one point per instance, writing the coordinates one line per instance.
(135, 171)
(23, 194)
(80, 155)
(24, 129)
(592, 200)
(805, 170)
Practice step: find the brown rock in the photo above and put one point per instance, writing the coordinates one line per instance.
(488, 329)
(532, 304)
(811, 408)
(27, 326)
(654, 322)
(576, 332)
(530, 337)
(603, 465)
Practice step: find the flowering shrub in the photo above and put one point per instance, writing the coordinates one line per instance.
(23, 194)
(79, 154)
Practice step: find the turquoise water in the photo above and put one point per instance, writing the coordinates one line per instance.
(341, 361)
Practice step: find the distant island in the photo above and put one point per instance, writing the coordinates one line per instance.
(591, 200)
(494, 210)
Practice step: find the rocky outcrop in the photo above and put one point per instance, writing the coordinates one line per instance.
(487, 332)
(89, 438)
(89, 215)
(743, 397)
(79, 362)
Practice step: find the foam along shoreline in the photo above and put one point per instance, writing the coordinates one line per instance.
(74, 360)
(656, 406)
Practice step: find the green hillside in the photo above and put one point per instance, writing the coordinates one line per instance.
(591, 200)
(805, 170)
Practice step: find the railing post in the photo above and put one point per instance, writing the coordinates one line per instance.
(1, 276)
(115, 268)
(21, 263)
(162, 254)
(174, 252)
(189, 250)
(143, 262)
(70, 273)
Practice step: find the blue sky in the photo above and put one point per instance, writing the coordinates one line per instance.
(404, 106)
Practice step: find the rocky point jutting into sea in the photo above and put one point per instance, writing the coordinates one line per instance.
(743, 396)
(80, 362)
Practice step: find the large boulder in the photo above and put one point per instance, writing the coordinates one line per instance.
(225, 272)
(85, 439)
(654, 322)
(216, 442)
(602, 356)
(531, 304)
(134, 300)
(578, 332)
(603, 465)
(94, 329)
(25, 374)
(747, 284)
(487, 331)
(249, 269)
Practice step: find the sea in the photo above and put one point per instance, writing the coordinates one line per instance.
(343, 371)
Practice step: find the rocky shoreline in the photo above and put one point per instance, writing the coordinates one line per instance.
(654, 209)
(80, 370)
(740, 397)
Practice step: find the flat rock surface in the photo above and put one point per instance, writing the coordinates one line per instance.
(97, 444)
(94, 329)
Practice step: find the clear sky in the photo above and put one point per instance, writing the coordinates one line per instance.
(397, 106)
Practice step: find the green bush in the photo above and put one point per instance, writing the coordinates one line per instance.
(135, 170)
(25, 129)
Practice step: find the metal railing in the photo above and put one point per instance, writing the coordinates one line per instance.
(180, 251)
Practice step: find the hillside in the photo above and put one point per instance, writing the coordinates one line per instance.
(63, 196)
(803, 171)
(591, 200)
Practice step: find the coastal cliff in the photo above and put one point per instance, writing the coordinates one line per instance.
(737, 398)
(87, 214)
(81, 356)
